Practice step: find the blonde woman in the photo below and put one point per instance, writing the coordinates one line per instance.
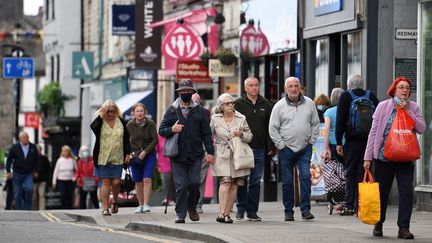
(63, 177)
(227, 123)
(110, 152)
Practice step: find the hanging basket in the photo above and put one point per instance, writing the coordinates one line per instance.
(226, 56)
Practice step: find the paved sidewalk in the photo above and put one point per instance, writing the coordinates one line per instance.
(324, 228)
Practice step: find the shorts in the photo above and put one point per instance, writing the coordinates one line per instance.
(229, 180)
(110, 171)
(143, 169)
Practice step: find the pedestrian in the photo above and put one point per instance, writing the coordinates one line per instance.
(294, 127)
(205, 164)
(385, 170)
(63, 175)
(189, 120)
(111, 150)
(355, 137)
(84, 177)
(164, 167)
(143, 140)
(257, 110)
(330, 128)
(40, 181)
(22, 159)
(227, 123)
(322, 102)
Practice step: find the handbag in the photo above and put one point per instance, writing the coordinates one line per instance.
(242, 154)
(89, 184)
(401, 144)
(127, 183)
(369, 205)
(171, 146)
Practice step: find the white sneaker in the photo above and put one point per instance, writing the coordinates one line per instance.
(146, 208)
(139, 209)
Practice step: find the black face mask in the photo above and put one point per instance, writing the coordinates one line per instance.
(186, 97)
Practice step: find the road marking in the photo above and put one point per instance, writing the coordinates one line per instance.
(50, 217)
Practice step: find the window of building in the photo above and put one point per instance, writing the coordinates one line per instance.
(354, 53)
(52, 68)
(322, 66)
(58, 67)
(47, 9)
(53, 9)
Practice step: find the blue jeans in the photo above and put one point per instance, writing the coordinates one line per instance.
(248, 196)
(288, 159)
(23, 190)
(186, 181)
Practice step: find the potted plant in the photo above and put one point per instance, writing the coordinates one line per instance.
(205, 56)
(50, 100)
(226, 56)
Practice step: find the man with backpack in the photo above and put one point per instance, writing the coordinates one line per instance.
(354, 119)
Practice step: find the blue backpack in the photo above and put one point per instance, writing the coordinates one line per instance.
(360, 115)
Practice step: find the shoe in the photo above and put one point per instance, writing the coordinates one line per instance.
(193, 215)
(254, 217)
(139, 209)
(347, 212)
(114, 208)
(146, 208)
(404, 233)
(307, 215)
(289, 216)
(220, 218)
(199, 210)
(377, 230)
(179, 220)
(240, 214)
(106, 212)
(228, 220)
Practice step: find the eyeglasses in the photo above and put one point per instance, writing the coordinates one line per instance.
(229, 103)
(111, 111)
(403, 87)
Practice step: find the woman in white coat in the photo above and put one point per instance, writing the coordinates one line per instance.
(227, 123)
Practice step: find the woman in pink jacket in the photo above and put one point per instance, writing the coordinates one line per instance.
(384, 169)
(164, 167)
(84, 178)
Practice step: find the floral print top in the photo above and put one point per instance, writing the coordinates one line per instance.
(386, 132)
(111, 144)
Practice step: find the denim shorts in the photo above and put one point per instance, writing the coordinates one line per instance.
(141, 169)
(110, 171)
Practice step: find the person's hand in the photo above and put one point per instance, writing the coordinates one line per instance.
(8, 176)
(53, 187)
(273, 151)
(326, 155)
(142, 155)
(177, 128)
(339, 150)
(210, 158)
(367, 164)
(403, 104)
(35, 174)
(238, 133)
(127, 158)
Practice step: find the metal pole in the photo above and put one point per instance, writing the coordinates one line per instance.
(17, 106)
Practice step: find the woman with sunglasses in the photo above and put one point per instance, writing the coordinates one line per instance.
(110, 152)
(227, 123)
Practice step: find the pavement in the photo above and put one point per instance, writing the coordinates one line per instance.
(272, 228)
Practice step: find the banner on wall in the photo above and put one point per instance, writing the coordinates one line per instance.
(123, 19)
(317, 175)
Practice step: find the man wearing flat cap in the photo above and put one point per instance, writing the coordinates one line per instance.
(190, 121)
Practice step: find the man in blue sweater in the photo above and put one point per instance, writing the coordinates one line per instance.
(23, 158)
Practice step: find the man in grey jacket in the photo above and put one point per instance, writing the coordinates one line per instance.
(294, 127)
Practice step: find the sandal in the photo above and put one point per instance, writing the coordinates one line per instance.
(228, 219)
(114, 209)
(106, 212)
(220, 218)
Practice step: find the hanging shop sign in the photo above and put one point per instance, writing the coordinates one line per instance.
(406, 34)
(254, 41)
(147, 39)
(194, 70)
(217, 69)
(182, 43)
(31, 119)
(123, 19)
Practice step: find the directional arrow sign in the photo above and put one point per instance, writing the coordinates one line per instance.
(18, 68)
(82, 65)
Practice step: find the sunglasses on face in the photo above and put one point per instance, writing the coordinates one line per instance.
(111, 111)
(229, 103)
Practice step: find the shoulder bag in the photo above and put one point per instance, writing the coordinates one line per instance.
(242, 154)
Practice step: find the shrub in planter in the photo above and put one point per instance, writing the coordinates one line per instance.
(226, 56)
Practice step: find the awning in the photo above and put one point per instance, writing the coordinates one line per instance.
(126, 102)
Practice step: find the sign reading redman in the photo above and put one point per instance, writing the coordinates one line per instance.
(147, 40)
(194, 70)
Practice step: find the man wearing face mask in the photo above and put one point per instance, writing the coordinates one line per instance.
(190, 121)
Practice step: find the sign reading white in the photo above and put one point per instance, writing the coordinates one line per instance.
(217, 69)
(406, 34)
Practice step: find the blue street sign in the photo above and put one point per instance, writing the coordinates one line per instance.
(18, 68)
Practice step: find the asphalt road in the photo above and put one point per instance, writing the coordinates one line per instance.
(34, 227)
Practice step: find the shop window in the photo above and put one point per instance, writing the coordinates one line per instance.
(322, 66)
(426, 91)
(354, 50)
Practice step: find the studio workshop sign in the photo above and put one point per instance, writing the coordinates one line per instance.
(194, 70)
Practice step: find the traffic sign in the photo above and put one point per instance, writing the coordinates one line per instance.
(82, 65)
(18, 67)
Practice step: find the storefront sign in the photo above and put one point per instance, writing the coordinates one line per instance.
(322, 7)
(406, 34)
(194, 70)
(31, 119)
(407, 67)
(123, 19)
(254, 41)
(217, 69)
(182, 43)
(147, 40)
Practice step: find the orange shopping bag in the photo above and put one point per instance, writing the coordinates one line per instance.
(369, 204)
(401, 144)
